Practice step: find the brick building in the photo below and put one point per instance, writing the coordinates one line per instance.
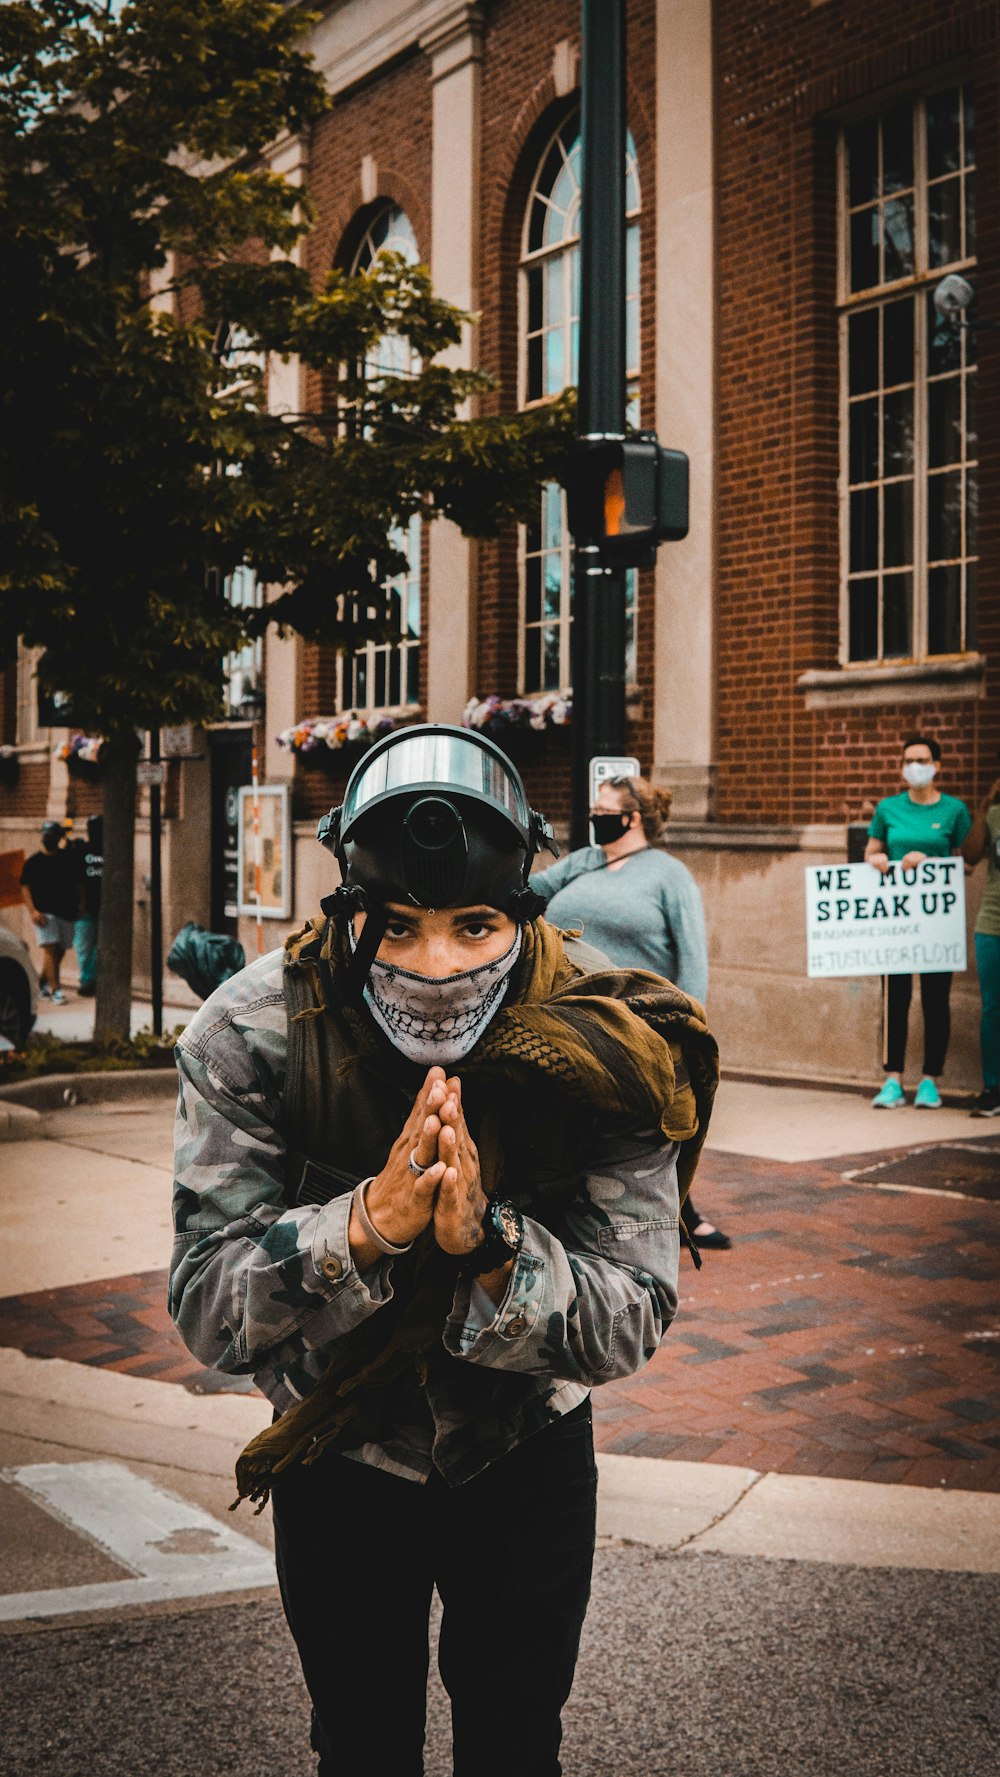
(801, 177)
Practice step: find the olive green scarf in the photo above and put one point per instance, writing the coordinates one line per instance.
(625, 1044)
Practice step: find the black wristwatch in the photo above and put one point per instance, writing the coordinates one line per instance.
(503, 1232)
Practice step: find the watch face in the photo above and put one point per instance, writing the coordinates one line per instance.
(508, 1224)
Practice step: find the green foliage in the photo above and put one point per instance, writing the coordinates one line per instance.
(138, 463)
(47, 1054)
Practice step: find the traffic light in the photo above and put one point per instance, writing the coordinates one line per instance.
(627, 495)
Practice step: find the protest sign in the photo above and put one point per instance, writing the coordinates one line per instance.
(859, 922)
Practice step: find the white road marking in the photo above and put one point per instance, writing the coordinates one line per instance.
(174, 1549)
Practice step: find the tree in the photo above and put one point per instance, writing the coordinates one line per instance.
(136, 469)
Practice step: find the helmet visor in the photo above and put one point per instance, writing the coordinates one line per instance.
(435, 761)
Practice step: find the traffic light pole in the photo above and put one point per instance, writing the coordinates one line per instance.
(599, 590)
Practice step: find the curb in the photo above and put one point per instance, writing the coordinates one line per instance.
(18, 1123)
(52, 1092)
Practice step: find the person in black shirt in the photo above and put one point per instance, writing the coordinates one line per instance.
(50, 889)
(88, 855)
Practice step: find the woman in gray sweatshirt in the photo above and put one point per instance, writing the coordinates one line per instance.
(635, 903)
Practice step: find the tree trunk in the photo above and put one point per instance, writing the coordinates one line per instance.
(114, 972)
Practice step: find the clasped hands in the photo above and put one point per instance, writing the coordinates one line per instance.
(448, 1192)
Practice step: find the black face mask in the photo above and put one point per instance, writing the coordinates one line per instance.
(609, 827)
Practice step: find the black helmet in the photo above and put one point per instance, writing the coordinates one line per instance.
(435, 816)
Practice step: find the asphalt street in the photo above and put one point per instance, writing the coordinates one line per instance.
(709, 1665)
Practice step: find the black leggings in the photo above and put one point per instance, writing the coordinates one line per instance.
(359, 1552)
(934, 994)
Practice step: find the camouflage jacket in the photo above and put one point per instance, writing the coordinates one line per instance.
(261, 1288)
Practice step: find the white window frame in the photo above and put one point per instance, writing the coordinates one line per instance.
(917, 286)
(527, 262)
(370, 655)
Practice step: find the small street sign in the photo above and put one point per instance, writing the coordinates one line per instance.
(604, 766)
(150, 773)
(179, 742)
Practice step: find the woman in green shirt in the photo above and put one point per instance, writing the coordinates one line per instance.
(921, 822)
(983, 841)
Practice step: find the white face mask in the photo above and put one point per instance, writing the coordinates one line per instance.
(919, 773)
(436, 1022)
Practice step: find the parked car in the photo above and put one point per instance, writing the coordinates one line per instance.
(18, 990)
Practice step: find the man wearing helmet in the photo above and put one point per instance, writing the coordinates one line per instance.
(427, 1194)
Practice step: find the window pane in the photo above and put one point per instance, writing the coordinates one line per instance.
(395, 680)
(944, 422)
(897, 599)
(632, 335)
(897, 524)
(551, 663)
(863, 620)
(897, 148)
(412, 676)
(971, 512)
(970, 604)
(897, 343)
(864, 530)
(552, 514)
(943, 146)
(862, 158)
(532, 589)
(535, 389)
(553, 585)
(536, 226)
(534, 299)
(555, 304)
(862, 345)
(944, 223)
(971, 426)
(555, 376)
(944, 611)
(897, 242)
(864, 441)
(631, 261)
(532, 660)
(380, 688)
(944, 516)
(897, 433)
(944, 348)
(969, 192)
(864, 250)
(360, 696)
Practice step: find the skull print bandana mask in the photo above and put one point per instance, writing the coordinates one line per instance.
(436, 1022)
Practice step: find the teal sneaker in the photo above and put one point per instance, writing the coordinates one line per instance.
(890, 1096)
(928, 1097)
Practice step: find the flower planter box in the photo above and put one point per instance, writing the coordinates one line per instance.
(334, 761)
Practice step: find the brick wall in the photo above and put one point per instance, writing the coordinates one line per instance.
(783, 75)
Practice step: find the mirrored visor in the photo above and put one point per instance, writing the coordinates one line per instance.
(435, 761)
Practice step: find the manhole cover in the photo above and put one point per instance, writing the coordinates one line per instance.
(970, 1170)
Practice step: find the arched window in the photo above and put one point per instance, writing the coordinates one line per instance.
(550, 346)
(381, 675)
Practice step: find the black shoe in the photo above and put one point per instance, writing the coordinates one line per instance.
(86, 993)
(714, 1238)
(987, 1104)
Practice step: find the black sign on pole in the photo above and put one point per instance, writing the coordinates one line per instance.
(599, 589)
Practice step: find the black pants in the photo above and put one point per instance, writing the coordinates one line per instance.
(934, 995)
(359, 1552)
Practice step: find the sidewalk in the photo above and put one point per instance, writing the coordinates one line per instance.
(852, 1333)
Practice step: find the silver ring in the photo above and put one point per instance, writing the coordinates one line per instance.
(417, 1170)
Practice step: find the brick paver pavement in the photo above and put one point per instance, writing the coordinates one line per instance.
(852, 1331)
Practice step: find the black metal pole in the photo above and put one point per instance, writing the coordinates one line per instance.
(599, 592)
(155, 890)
